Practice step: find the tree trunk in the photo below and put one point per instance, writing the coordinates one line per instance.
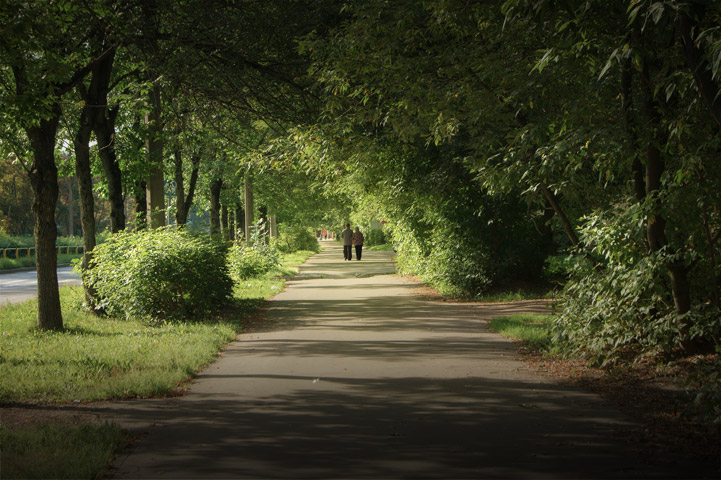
(71, 214)
(231, 225)
(141, 206)
(249, 208)
(639, 187)
(215, 188)
(103, 124)
(239, 219)
(656, 229)
(656, 222)
(273, 227)
(180, 212)
(105, 135)
(44, 181)
(87, 200)
(184, 201)
(224, 222)
(154, 144)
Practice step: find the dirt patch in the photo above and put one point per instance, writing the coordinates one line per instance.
(34, 415)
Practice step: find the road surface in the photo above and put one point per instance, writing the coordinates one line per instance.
(19, 286)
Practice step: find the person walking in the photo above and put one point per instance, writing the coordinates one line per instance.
(347, 236)
(358, 240)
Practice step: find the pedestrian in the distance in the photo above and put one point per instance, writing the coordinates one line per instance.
(347, 236)
(358, 242)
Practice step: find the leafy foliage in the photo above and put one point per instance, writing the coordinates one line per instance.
(705, 388)
(375, 237)
(295, 238)
(619, 303)
(249, 261)
(163, 273)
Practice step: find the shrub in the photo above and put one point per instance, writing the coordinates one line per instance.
(621, 305)
(558, 268)
(375, 237)
(248, 261)
(295, 238)
(163, 273)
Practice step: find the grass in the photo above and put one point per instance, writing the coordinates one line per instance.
(97, 358)
(266, 286)
(383, 247)
(533, 330)
(59, 451)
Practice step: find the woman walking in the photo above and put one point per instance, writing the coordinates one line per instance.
(358, 242)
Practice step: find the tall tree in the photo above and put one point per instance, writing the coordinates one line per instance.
(43, 55)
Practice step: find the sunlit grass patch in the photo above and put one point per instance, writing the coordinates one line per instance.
(101, 357)
(383, 247)
(534, 330)
(59, 451)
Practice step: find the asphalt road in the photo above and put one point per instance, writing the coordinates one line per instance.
(19, 286)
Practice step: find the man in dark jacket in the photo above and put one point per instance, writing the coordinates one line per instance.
(347, 236)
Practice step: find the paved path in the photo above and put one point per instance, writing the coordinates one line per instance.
(18, 286)
(359, 377)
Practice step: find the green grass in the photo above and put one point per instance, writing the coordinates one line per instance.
(533, 330)
(14, 241)
(97, 358)
(23, 262)
(59, 451)
(383, 247)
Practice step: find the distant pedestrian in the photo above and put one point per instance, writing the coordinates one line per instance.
(347, 236)
(358, 240)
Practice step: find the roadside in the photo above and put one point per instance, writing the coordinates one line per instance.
(21, 285)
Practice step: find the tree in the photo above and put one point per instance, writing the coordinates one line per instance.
(43, 56)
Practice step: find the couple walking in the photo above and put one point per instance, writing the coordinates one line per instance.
(349, 239)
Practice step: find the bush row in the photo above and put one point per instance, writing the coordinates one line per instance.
(169, 273)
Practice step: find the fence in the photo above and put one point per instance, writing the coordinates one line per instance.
(19, 252)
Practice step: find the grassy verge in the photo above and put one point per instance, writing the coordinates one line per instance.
(533, 330)
(59, 451)
(97, 358)
(383, 247)
(23, 262)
